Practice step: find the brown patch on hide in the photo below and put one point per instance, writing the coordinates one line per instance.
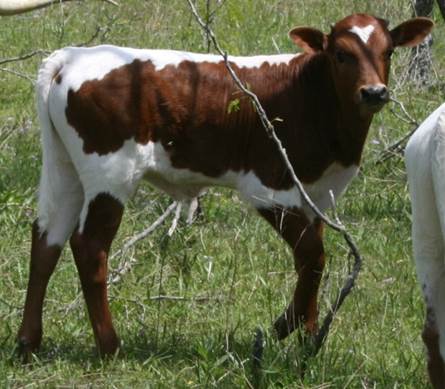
(185, 107)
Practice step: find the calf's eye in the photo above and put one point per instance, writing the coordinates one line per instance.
(342, 56)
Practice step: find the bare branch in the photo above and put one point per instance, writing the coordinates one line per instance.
(352, 276)
(116, 275)
(398, 146)
(23, 57)
(175, 220)
(90, 39)
(99, 29)
(334, 206)
(349, 283)
(405, 112)
(395, 148)
(18, 74)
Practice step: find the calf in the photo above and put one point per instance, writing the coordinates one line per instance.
(111, 116)
(425, 164)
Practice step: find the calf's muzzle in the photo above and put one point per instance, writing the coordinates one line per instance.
(374, 95)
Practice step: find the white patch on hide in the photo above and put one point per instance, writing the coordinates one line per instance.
(82, 64)
(335, 178)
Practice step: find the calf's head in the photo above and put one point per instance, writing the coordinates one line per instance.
(359, 49)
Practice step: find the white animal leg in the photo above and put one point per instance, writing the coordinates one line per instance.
(426, 174)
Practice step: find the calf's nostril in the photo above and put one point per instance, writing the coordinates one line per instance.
(374, 94)
(384, 94)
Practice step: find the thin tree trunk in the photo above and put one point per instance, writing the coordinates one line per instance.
(420, 69)
(441, 4)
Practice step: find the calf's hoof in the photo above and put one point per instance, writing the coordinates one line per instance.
(284, 326)
(26, 348)
(108, 345)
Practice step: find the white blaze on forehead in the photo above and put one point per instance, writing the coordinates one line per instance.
(363, 33)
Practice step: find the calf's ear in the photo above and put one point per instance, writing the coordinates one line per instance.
(412, 32)
(309, 39)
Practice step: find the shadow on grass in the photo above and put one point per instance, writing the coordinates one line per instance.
(207, 354)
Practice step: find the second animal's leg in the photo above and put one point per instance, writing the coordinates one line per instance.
(431, 337)
(429, 256)
(430, 266)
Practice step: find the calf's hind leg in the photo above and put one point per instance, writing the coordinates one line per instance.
(305, 240)
(44, 258)
(58, 215)
(90, 246)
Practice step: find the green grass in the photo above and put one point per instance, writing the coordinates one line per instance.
(234, 272)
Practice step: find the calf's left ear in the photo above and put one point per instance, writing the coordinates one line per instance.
(412, 32)
(309, 39)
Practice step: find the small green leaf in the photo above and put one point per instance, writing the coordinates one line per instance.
(234, 106)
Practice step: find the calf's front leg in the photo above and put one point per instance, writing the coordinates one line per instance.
(305, 240)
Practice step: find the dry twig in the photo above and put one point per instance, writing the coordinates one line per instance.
(175, 220)
(409, 118)
(18, 74)
(339, 227)
(23, 57)
(101, 31)
(398, 146)
(116, 275)
(91, 38)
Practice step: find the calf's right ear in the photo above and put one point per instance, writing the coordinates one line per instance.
(309, 39)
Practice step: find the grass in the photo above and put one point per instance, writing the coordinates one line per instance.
(232, 270)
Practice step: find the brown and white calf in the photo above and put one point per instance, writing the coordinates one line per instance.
(425, 165)
(112, 116)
